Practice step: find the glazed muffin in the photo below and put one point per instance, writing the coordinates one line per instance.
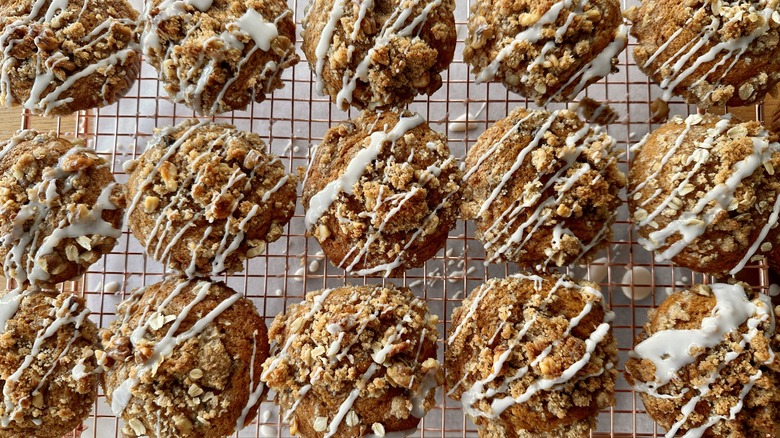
(48, 363)
(702, 192)
(218, 55)
(382, 193)
(710, 52)
(707, 363)
(60, 208)
(542, 188)
(183, 359)
(378, 54)
(204, 197)
(354, 361)
(64, 56)
(545, 51)
(532, 355)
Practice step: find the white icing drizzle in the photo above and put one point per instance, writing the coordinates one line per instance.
(255, 391)
(499, 395)
(40, 101)
(162, 349)
(672, 350)
(599, 67)
(164, 224)
(191, 86)
(354, 325)
(505, 241)
(67, 313)
(9, 305)
(322, 200)
(692, 223)
(27, 246)
(690, 57)
(394, 27)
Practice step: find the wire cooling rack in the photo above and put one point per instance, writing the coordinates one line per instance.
(296, 118)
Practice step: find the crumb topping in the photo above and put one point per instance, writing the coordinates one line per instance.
(382, 193)
(344, 349)
(712, 52)
(543, 189)
(702, 191)
(48, 365)
(183, 359)
(205, 196)
(61, 208)
(532, 353)
(707, 362)
(378, 53)
(219, 55)
(546, 51)
(59, 57)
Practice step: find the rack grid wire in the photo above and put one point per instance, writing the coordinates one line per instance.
(294, 119)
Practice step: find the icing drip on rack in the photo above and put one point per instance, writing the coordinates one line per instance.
(69, 312)
(692, 223)
(495, 388)
(41, 101)
(406, 21)
(27, 246)
(336, 351)
(163, 348)
(251, 27)
(527, 214)
(710, 46)
(163, 229)
(565, 10)
(672, 350)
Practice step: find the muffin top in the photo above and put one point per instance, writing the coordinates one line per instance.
(702, 191)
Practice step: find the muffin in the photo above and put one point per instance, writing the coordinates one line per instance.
(48, 363)
(707, 363)
(69, 56)
(532, 355)
(354, 361)
(218, 55)
(382, 193)
(712, 53)
(60, 208)
(183, 359)
(204, 197)
(542, 188)
(378, 54)
(545, 51)
(699, 194)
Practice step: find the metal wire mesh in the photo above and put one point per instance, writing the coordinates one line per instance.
(294, 119)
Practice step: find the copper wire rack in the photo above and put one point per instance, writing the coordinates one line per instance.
(296, 118)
